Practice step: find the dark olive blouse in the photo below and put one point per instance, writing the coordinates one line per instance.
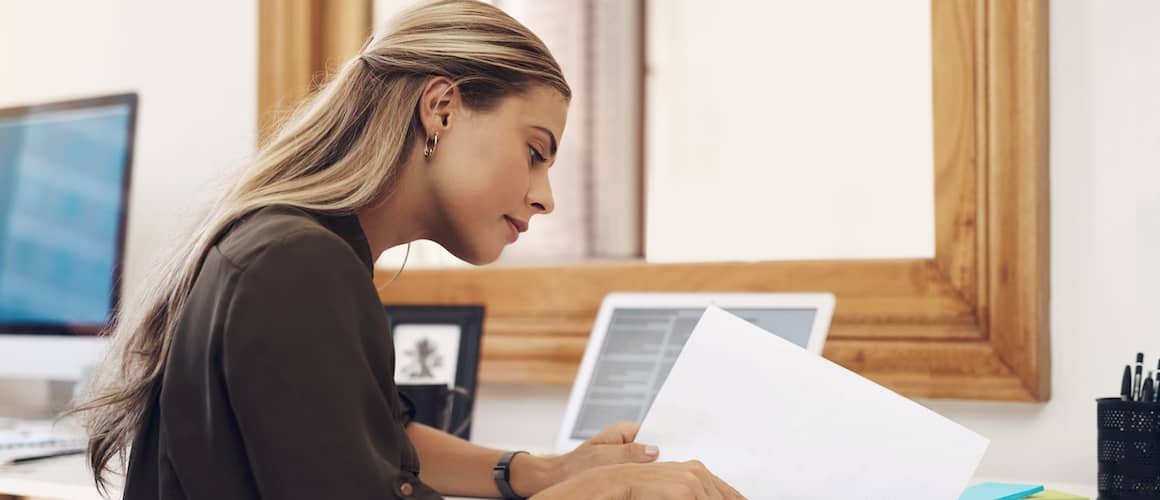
(279, 383)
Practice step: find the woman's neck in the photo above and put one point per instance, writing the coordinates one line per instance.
(404, 216)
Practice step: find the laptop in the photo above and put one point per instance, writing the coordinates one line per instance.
(638, 336)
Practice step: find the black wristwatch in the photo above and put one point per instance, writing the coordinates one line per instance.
(502, 472)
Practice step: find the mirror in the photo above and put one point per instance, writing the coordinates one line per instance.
(966, 320)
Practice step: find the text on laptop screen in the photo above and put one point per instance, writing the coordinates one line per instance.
(639, 350)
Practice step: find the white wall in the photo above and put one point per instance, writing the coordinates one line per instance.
(1105, 173)
(195, 67)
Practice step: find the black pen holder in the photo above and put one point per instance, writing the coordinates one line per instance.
(1129, 449)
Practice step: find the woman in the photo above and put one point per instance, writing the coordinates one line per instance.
(257, 364)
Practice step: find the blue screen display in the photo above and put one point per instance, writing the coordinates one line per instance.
(61, 187)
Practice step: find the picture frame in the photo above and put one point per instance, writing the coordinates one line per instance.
(438, 345)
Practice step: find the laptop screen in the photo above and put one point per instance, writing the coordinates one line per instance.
(639, 350)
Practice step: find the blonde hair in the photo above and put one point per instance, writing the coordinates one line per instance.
(338, 152)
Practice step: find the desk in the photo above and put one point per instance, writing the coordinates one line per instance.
(57, 478)
(67, 478)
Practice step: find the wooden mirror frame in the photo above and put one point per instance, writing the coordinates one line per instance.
(970, 323)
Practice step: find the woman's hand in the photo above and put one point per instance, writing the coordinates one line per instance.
(614, 445)
(611, 446)
(668, 480)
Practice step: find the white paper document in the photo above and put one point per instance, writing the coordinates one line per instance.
(777, 422)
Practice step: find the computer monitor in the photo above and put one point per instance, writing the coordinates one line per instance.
(64, 189)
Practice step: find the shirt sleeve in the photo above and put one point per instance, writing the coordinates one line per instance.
(304, 389)
(408, 414)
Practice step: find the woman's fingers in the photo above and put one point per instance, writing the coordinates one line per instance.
(727, 491)
(717, 489)
(638, 453)
(618, 433)
(704, 480)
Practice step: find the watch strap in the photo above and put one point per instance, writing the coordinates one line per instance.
(502, 472)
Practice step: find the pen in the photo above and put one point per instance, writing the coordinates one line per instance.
(1156, 386)
(1126, 384)
(33, 458)
(1136, 382)
(1147, 394)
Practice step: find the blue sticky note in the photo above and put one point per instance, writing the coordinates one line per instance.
(1000, 491)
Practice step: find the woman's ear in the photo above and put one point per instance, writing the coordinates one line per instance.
(439, 104)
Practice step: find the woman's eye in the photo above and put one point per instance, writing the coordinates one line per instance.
(536, 156)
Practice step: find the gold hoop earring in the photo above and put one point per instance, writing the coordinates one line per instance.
(430, 145)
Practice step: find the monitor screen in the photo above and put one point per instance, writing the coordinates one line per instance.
(640, 348)
(64, 175)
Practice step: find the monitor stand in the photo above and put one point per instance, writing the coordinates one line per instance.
(60, 396)
(31, 399)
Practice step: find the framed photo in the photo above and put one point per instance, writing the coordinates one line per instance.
(426, 353)
(437, 345)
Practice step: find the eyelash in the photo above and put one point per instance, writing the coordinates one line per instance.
(536, 157)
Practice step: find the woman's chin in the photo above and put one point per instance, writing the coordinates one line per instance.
(479, 256)
(488, 258)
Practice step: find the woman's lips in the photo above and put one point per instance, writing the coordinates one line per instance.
(513, 229)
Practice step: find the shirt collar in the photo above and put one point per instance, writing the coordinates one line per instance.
(348, 228)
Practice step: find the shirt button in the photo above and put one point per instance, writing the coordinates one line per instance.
(406, 489)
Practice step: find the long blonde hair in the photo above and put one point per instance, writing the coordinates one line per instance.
(338, 152)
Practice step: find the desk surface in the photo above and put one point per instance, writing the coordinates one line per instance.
(63, 478)
(67, 478)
